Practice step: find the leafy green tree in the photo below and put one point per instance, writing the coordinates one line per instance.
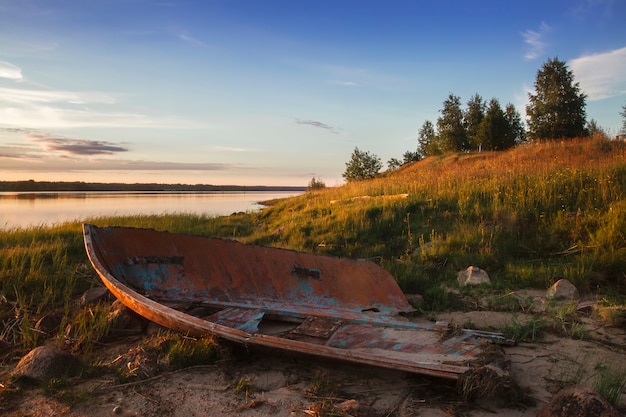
(409, 157)
(557, 109)
(593, 128)
(362, 166)
(452, 135)
(393, 164)
(493, 131)
(473, 115)
(427, 141)
(316, 184)
(517, 133)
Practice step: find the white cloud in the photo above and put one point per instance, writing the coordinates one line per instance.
(48, 117)
(10, 71)
(235, 149)
(15, 95)
(48, 109)
(43, 163)
(601, 75)
(191, 40)
(345, 83)
(535, 39)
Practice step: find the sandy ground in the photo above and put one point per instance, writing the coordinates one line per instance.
(270, 383)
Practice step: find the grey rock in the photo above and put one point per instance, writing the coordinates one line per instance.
(95, 295)
(473, 275)
(563, 290)
(416, 300)
(271, 380)
(44, 363)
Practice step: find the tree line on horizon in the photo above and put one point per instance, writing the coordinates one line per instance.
(556, 111)
(80, 186)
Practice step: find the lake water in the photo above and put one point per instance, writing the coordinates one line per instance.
(34, 209)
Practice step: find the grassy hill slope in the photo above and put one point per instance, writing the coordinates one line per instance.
(528, 216)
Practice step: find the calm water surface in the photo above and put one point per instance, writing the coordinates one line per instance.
(34, 209)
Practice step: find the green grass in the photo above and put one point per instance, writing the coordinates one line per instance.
(528, 216)
(186, 351)
(610, 382)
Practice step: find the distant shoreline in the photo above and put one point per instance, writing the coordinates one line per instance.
(34, 186)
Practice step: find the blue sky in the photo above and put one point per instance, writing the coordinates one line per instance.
(273, 92)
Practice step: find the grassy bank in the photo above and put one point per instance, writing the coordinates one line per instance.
(528, 216)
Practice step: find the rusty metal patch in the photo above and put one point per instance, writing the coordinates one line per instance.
(321, 327)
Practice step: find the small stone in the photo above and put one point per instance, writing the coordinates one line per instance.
(44, 363)
(270, 380)
(117, 409)
(348, 406)
(95, 295)
(473, 275)
(563, 290)
(416, 300)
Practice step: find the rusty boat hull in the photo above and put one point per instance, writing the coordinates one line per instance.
(259, 296)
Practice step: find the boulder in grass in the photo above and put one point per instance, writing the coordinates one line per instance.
(563, 290)
(578, 402)
(473, 275)
(415, 300)
(45, 363)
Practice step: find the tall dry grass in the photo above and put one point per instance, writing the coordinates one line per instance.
(528, 216)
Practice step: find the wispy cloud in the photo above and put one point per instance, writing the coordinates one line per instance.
(592, 9)
(318, 124)
(45, 109)
(25, 96)
(190, 39)
(535, 39)
(345, 83)
(601, 75)
(28, 143)
(52, 143)
(59, 164)
(234, 149)
(31, 150)
(41, 108)
(10, 71)
(50, 117)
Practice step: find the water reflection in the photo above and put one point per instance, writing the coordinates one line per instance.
(46, 208)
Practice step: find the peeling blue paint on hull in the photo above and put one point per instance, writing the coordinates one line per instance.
(320, 305)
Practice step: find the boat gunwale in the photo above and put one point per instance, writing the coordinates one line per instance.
(195, 326)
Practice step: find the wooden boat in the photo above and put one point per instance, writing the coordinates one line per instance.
(319, 305)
